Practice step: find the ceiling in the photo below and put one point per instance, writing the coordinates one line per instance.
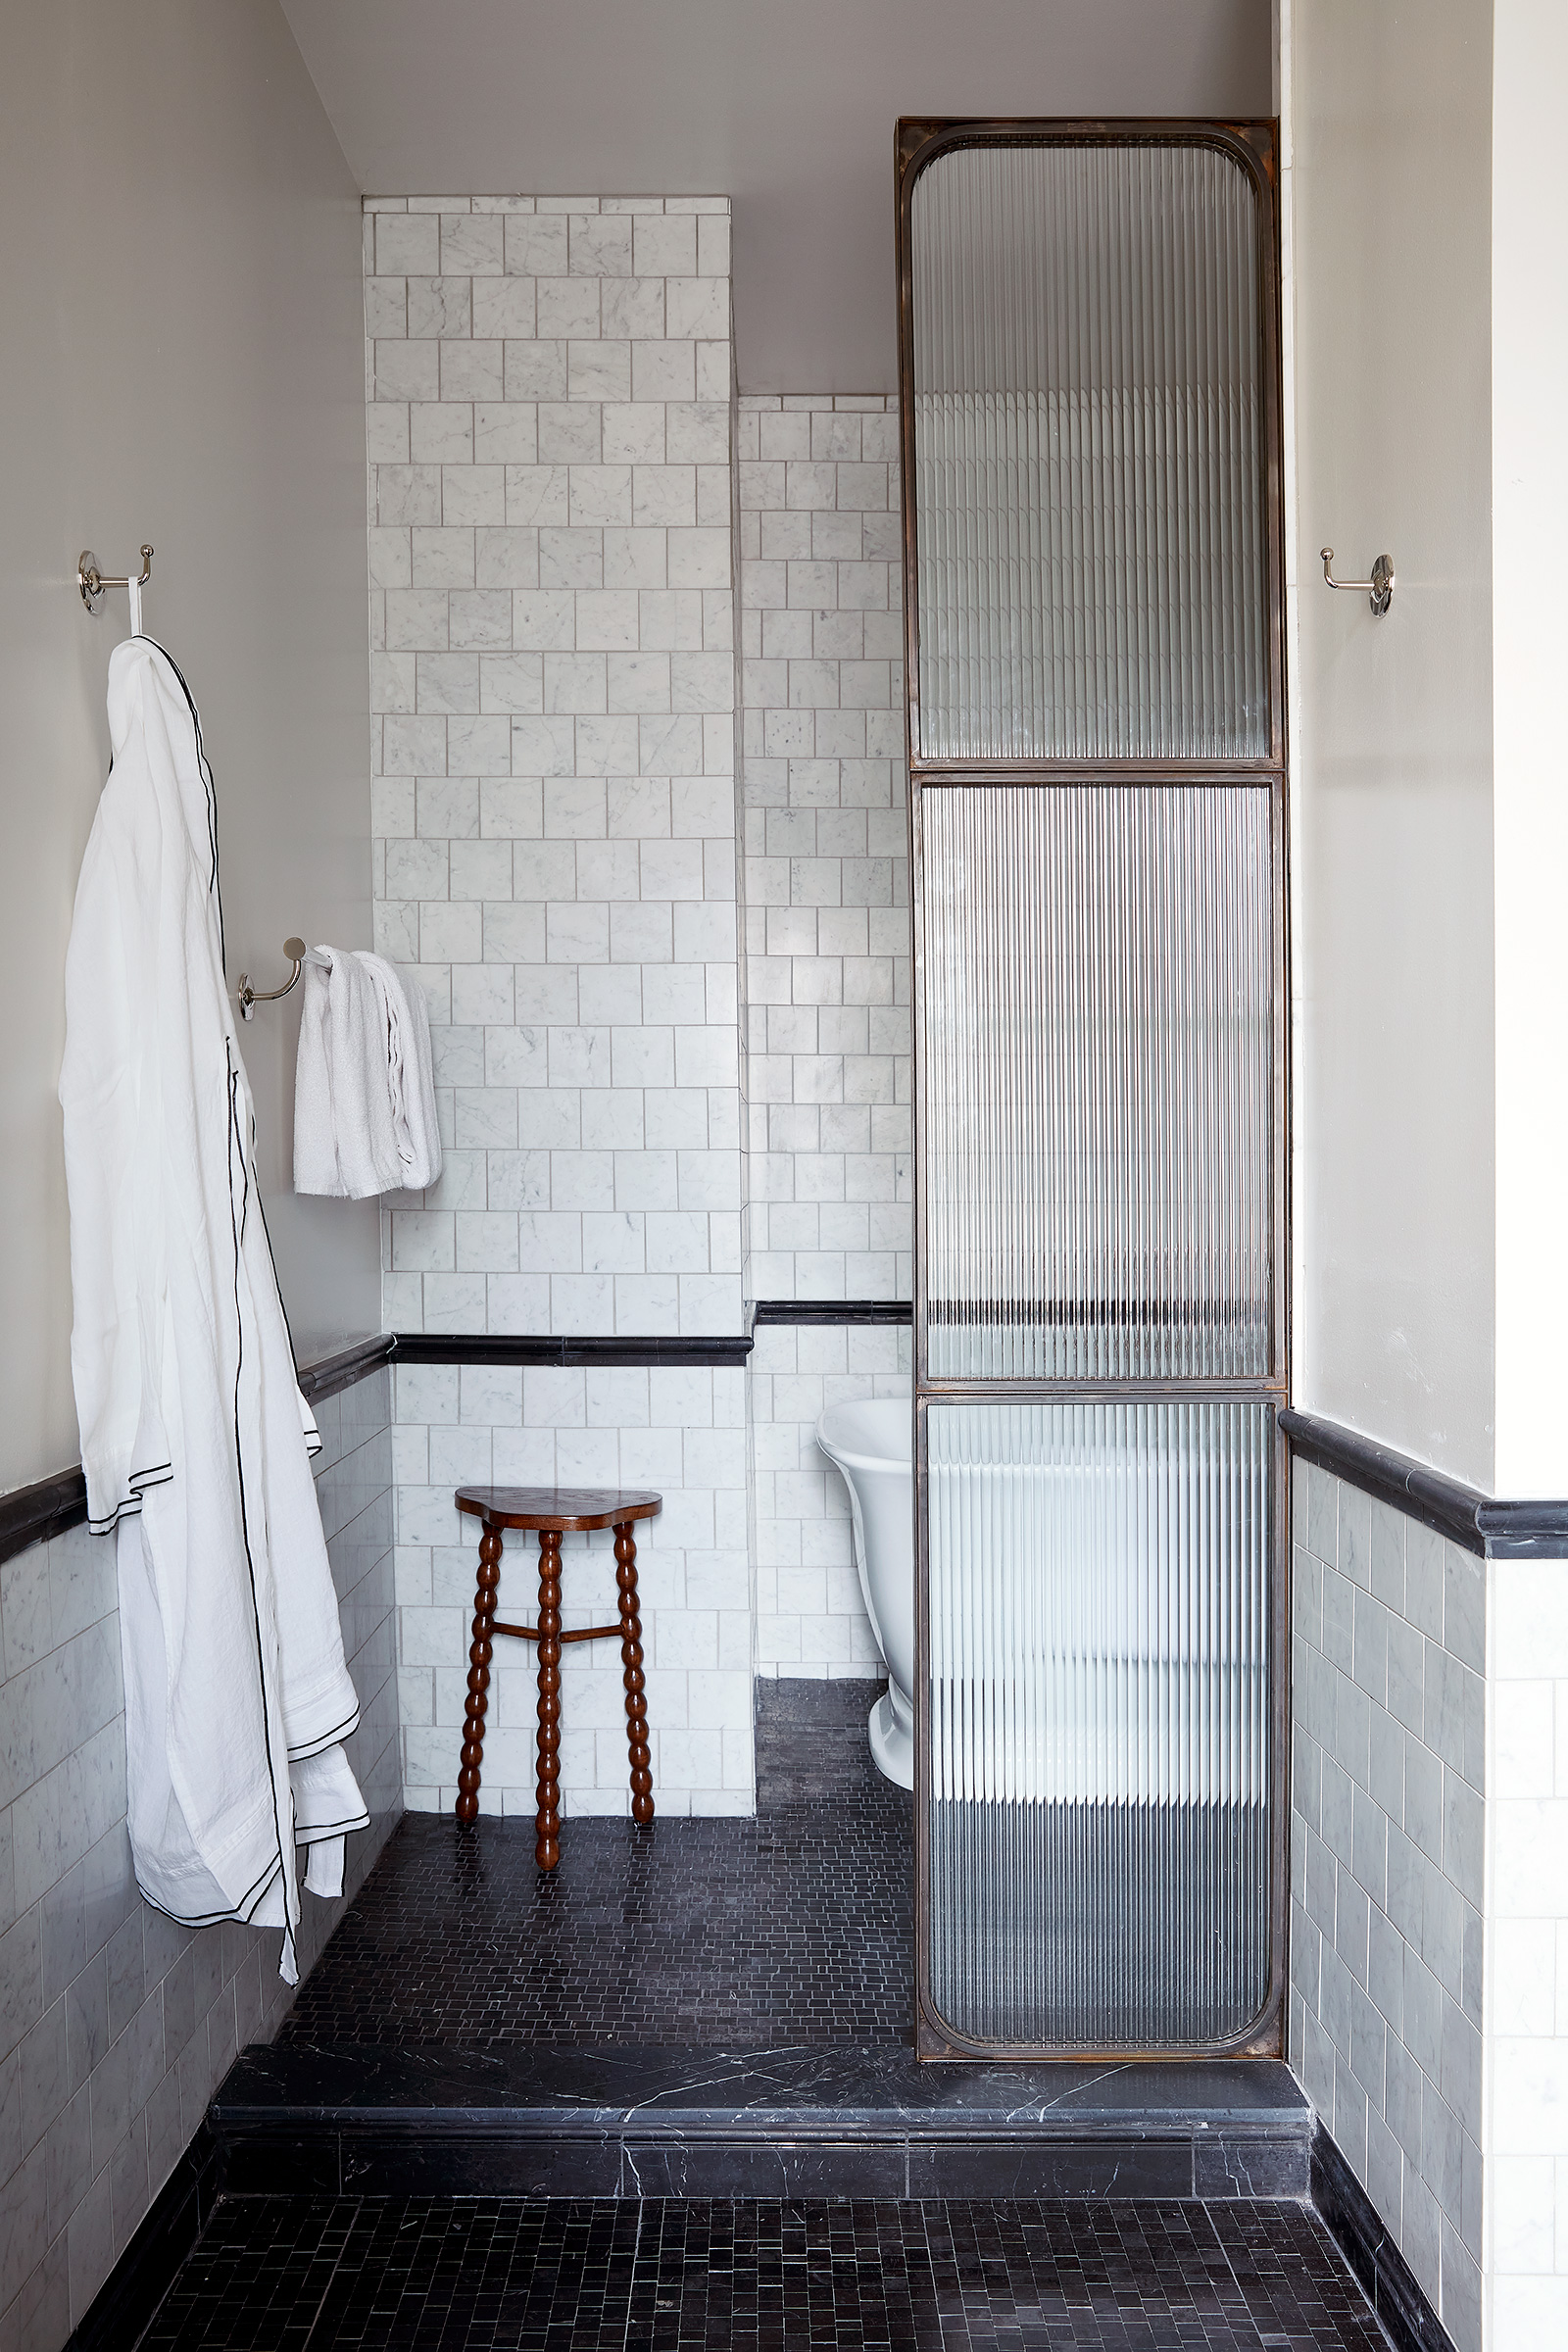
(787, 106)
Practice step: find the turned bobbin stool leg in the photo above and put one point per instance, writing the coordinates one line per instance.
(553, 1512)
(547, 1793)
(479, 1653)
(631, 1659)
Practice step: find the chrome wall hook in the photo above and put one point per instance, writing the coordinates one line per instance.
(92, 582)
(1378, 589)
(250, 998)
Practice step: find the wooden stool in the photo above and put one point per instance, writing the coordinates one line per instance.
(555, 1511)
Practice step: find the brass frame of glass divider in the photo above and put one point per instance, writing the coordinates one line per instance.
(1254, 146)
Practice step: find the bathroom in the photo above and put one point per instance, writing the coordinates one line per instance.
(511, 404)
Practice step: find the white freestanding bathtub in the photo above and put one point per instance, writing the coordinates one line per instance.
(872, 1444)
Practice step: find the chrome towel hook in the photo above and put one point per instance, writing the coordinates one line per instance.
(92, 582)
(1378, 589)
(250, 998)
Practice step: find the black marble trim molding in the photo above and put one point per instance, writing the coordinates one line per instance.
(1358, 2229)
(832, 1310)
(511, 1347)
(354, 1361)
(32, 1514)
(1497, 1530)
(126, 2303)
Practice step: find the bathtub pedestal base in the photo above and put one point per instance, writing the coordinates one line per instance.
(892, 1730)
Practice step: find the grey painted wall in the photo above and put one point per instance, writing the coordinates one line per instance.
(184, 363)
(1391, 169)
(788, 110)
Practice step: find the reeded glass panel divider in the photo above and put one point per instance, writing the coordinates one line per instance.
(1089, 454)
(1097, 1075)
(1098, 1687)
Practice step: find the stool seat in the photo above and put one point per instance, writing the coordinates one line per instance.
(552, 1512)
(570, 1511)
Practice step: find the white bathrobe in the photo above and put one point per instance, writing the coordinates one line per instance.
(195, 1439)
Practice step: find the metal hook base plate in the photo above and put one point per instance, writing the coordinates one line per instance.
(1378, 590)
(249, 997)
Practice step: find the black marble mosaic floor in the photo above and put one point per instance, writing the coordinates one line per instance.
(795, 1926)
(474, 2275)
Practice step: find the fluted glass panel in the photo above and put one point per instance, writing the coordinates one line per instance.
(1096, 1081)
(1089, 454)
(1098, 1687)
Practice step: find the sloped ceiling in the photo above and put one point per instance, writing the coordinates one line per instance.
(787, 106)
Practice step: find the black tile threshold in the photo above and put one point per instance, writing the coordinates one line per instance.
(791, 2121)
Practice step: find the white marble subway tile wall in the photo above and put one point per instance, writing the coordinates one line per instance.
(678, 1430)
(116, 2025)
(826, 980)
(826, 847)
(1386, 1878)
(1526, 2145)
(552, 752)
(810, 1618)
(553, 797)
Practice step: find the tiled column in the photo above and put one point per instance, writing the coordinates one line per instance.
(826, 843)
(827, 982)
(554, 793)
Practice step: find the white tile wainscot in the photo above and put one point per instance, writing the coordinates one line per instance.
(116, 2025)
(1429, 1947)
(810, 1618)
(678, 1430)
(1526, 2085)
(1389, 1710)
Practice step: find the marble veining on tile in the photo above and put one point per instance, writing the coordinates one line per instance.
(803, 2087)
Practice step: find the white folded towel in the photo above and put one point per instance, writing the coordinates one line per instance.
(411, 1074)
(364, 1090)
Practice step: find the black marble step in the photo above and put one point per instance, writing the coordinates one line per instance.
(799, 2121)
